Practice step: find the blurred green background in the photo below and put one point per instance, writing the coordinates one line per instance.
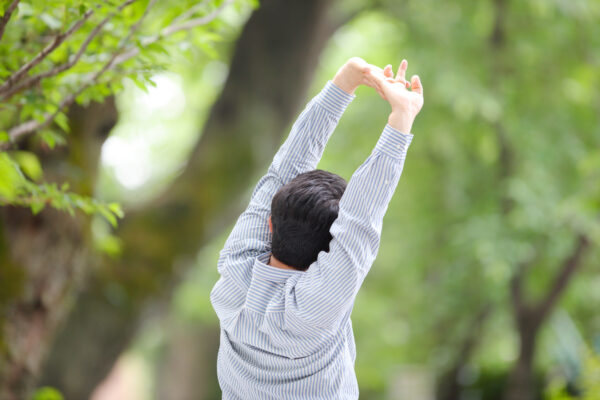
(487, 282)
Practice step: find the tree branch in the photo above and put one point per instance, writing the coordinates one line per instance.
(7, 90)
(174, 28)
(498, 38)
(449, 387)
(7, 15)
(349, 16)
(32, 125)
(187, 14)
(58, 40)
(117, 58)
(569, 266)
(516, 292)
(192, 23)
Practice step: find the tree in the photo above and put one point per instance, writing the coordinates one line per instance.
(65, 56)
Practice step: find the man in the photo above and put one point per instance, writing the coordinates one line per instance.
(293, 264)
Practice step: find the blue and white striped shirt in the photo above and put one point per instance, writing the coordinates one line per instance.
(287, 334)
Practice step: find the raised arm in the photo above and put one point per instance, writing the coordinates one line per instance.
(300, 153)
(324, 295)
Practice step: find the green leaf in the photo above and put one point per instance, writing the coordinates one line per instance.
(110, 245)
(110, 217)
(52, 138)
(37, 206)
(50, 21)
(25, 10)
(62, 121)
(209, 49)
(139, 83)
(116, 209)
(157, 47)
(4, 137)
(29, 164)
(211, 37)
(11, 179)
(47, 393)
(150, 81)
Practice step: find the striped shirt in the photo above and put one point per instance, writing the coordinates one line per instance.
(287, 334)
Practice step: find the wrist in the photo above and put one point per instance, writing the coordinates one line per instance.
(401, 121)
(347, 78)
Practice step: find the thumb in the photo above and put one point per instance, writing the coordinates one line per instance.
(416, 85)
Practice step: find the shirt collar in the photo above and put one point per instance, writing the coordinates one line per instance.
(269, 272)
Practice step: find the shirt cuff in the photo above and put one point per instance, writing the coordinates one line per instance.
(334, 99)
(393, 142)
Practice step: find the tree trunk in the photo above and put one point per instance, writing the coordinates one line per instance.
(187, 370)
(272, 65)
(47, 253)
(44, 260)
(521, 381)
(529, 318)
(449, 387)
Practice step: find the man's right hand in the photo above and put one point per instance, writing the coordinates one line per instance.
(405, 103)
(355, 72)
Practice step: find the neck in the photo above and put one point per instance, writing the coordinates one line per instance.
(278, 264)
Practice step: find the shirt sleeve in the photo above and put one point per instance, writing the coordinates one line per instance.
(324, 295)
(301, 152)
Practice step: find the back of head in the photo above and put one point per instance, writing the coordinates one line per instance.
(302, 212)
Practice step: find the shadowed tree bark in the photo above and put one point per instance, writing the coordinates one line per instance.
(272, 65)
(45, 258)
(449, 387)
(529, 318)
(188, 368)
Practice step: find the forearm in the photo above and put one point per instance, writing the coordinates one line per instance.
(300, 153)
(400, 121)
(327, 290)
(302, 150)
(349, 77)
(357, 229)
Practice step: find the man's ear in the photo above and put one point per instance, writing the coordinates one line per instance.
(270, 225)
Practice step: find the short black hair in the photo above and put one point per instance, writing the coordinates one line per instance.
(302, 212)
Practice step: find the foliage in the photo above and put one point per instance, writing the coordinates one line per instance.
(47, 393)
(494, 130)
(589, 384)
(80, 51)
(17, 190)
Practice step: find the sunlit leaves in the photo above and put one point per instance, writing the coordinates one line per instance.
(51, 138)
(154, 51)
(17, 189)
(589, 381)
(47, 393)
(44, 99)
(29, 164)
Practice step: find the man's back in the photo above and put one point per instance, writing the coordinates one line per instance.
(286, 333)
(266, 354)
